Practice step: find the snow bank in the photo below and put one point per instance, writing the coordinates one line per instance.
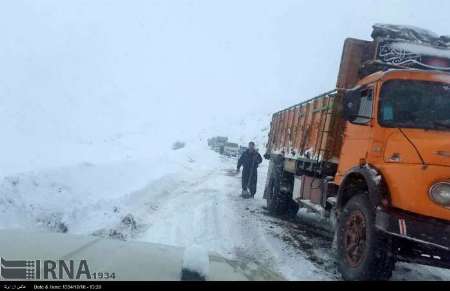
(85, 197)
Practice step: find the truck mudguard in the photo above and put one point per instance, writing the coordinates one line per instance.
(362, 177)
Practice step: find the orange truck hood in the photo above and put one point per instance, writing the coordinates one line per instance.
(434, 146)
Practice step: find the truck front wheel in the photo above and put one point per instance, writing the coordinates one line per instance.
(363, 253)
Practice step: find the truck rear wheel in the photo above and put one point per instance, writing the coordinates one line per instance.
(277, 201)
(276, 204)
(363, 253)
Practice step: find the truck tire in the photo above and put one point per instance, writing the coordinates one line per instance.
(363, 253)
(277, 201)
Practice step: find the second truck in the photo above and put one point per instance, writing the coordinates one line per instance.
(373, 155)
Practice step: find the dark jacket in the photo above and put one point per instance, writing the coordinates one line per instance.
(249, 160)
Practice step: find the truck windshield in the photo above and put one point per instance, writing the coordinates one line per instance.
(415, 104)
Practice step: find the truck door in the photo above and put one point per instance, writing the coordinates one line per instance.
(358, 132)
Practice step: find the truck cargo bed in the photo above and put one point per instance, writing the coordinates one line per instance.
(310, 130)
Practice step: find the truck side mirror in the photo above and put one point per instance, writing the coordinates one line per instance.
(358, 106)
(351, 104)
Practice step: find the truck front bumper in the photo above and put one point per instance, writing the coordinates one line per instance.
(416, 238)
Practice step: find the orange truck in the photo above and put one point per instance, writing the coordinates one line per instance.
(373, 155)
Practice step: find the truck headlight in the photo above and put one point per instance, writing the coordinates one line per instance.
(440, 193)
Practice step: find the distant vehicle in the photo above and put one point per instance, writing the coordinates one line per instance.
(218, 149)
(231, 149)
(217, 140)
(217, 143)
(126, 261)
(373, 154)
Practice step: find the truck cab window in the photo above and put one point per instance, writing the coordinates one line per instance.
(415, 104)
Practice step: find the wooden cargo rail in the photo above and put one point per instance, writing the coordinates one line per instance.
(311, 130)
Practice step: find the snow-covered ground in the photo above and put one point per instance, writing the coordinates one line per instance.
(185, 197)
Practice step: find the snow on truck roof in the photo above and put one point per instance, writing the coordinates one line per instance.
(409, 46)
(409, 33)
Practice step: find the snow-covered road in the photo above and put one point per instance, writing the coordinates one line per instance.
(202, 207)
(206, 210)
(184, 198)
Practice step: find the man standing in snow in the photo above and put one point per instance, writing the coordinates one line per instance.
(250, 160)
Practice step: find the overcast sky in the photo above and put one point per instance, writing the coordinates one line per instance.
(78, 67)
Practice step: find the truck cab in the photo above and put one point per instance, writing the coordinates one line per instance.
(399, 122)
(397, 141)
(373, 155)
